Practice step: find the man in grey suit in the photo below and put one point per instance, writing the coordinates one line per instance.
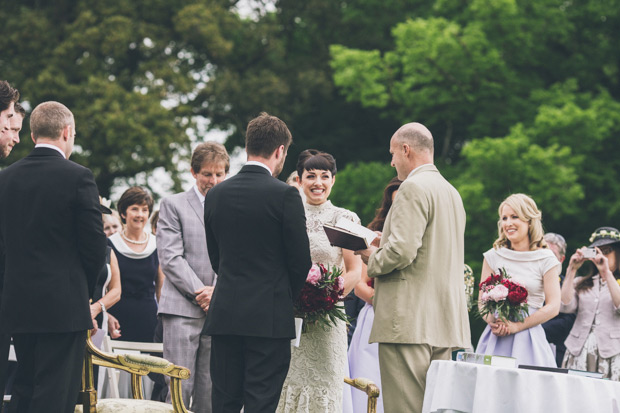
(189, 277)
(419, 302)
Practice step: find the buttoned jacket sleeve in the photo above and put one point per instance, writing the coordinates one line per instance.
(403, 237)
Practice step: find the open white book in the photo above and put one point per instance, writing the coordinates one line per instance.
(349, 235)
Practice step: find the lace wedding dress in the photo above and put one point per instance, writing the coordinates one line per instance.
(314, 383)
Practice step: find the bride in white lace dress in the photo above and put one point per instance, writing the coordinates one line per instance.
(314, 383)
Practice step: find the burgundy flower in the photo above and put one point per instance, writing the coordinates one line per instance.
(517, 295)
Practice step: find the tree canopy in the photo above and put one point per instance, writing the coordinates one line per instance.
(520, 96)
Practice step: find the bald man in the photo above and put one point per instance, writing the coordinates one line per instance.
(419, 302)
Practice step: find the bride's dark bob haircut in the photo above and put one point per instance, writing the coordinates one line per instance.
(311, 159)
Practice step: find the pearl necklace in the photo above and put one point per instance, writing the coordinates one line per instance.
(133, 241)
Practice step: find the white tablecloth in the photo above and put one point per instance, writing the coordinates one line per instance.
(465, 387)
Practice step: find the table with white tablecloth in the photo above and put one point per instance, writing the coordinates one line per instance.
(466, 387)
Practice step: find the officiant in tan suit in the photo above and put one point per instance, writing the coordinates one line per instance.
(419, 302)
(189, 277)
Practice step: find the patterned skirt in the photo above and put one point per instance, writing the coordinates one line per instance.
(590, 360)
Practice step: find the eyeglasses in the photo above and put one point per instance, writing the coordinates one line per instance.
(606, 250)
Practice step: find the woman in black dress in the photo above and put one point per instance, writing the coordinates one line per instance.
(141, 278)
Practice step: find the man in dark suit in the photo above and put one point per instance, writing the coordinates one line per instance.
(52, 241)
(8, 99)
(258, 245)
(10, 119)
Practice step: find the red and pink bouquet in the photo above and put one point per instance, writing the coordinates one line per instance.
(320, 300)
(503, 298)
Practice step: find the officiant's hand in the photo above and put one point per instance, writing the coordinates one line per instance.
(377, 241)
(365, 254)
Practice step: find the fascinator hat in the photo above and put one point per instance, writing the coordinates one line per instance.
(604, 236)
(104, 205)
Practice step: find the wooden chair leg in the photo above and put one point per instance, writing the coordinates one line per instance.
(136, 387)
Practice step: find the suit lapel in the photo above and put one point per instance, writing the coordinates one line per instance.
(195, 204)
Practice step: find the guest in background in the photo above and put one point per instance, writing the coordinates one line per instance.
(521, 250)
(10, 125)
(557, 329)
(112, 223)
(141, 278)
(8, 98)
(322, 351)
(352, 307)
(594, 341)
(52, 247)
(363, 355)
(15, 126)
(293, 180)
(154, 222)
(107, 289)
(189, 276)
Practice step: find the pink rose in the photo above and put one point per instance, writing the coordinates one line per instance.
(314, 275)
(498, 293)
(485, 297)
(340, 283)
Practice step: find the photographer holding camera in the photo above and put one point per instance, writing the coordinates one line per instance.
(594, 341)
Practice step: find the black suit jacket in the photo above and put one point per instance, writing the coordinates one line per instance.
(52, 244)
(258, 245)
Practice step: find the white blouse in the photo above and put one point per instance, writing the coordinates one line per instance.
(526, 268)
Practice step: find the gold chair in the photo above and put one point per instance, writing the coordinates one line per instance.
(368, 387)
(137, 365)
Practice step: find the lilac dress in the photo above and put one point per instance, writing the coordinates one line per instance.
(526, 268)
(364, 359)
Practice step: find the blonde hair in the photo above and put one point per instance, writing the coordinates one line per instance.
(49, 119)
(526, 209)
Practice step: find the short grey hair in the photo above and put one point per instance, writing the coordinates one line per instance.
(417, 136)
(48, 120)
(557, 240)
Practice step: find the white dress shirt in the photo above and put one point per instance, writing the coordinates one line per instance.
(47, 145)
(200, 196)
(259, 164)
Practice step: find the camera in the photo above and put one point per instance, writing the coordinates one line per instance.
(589, 252)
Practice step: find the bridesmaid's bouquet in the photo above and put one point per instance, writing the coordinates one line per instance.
(320, 300)
(506, 299)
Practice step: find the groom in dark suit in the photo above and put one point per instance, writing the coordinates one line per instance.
(258, 245)
(52, 247)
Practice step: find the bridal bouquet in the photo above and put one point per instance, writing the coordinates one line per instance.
(320, 300)
(505, 299)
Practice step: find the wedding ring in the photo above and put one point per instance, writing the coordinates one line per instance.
(117, 331)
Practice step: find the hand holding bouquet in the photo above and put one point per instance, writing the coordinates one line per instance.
(503, 298)
(320, 300)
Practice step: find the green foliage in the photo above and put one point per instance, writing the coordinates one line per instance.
(496, 168)
(521, 96)
(112, 64)
(359, 188)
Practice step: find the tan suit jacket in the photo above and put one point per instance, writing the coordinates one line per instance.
(419, 284)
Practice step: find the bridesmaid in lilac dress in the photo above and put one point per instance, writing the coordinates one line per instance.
(522, 251)
(363, 356)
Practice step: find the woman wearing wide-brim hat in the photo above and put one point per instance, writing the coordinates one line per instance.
(593, 343)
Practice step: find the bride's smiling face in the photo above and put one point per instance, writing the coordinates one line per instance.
(515, 229)
(317, 185)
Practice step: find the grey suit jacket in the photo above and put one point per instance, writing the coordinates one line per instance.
(183, 255)
(588, 304)
(419, 288)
